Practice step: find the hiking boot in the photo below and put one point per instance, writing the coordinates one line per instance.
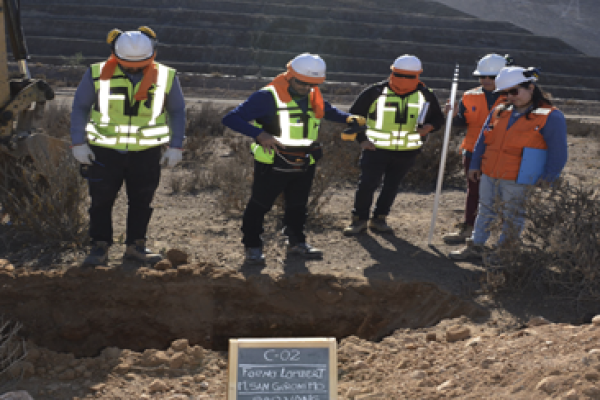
(378, 224)
(254, 255)
(305, 250)
(471, 251)
(98, 255)
(356, 226)
(139, 252)
(464, 232)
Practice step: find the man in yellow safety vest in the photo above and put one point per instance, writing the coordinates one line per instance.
(125, 109)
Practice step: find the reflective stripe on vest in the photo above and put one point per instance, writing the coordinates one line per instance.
(122, 123)
(388, 134)
(504, 147)
(291, 128)
(476, 112)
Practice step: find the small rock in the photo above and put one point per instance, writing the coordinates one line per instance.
(158, 386)
(352, 392)
(98, 387)
(473, 341)
(549, 384)
(537, 321)
(180, 345)
(596, 320)
(177, 360)
(431, 337)
(446, 385)
(456, 333)
(592, 376)
(177, 257)
(418, 374)
(163, 265)
(571, 395)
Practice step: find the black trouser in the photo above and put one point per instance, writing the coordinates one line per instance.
(389, 165)
(268, 184)
(140, 170)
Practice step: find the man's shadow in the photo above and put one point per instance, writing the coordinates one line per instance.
(409, 263)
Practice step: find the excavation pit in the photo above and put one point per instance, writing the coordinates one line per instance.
(83, 311)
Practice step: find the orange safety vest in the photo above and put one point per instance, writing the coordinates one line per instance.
(476, 112)
(504, 147)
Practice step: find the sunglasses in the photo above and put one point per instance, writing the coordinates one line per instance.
(512, 92)
(306, 83)
(487, 76)
(397, 75)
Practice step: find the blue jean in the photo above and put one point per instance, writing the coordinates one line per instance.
(511, 194)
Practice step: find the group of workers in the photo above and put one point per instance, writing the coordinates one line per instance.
(128, 108)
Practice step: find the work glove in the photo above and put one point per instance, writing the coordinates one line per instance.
(172, 157)
(356, 124)
(359, 119)
(83, 153)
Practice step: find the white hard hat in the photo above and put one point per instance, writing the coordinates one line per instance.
(134, 46)
(512, 76)
(490, 65)
(310, 67)
(408, 62)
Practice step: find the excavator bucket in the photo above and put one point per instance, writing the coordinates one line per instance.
(22, 102)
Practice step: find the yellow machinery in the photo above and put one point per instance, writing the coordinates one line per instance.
(22, 100)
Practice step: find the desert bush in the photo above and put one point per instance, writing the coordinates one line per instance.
(12, 350)
(559, 249)
(424, 174)
(203, 123)
(582, 128)
(44, 201)
(56, 120)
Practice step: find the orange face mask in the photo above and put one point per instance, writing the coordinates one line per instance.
(149, 70)
(401, 85)
(282, 82)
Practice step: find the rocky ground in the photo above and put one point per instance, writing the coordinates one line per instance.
(458, 341)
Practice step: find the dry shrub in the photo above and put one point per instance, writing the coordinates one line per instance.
(339, 165)
(203, 124)
(583, 128)
(424, 174)
(559, 250)
(12, 350)
(48, 207)
(56, 120)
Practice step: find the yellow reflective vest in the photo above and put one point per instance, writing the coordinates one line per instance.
(292, 127)
(120, 122)
(392, 120)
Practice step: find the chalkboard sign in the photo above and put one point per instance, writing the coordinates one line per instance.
(282, 369)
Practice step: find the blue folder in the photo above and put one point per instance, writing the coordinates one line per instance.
(532, 165)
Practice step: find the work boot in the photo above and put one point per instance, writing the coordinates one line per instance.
(98, 255)
(464, 232)
(378, 224)
(139, 252)
(305, 250)
(254, 255)
(471, 251)
(356, 226)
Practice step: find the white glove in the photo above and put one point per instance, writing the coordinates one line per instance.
(172, 157)
(83, 153)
